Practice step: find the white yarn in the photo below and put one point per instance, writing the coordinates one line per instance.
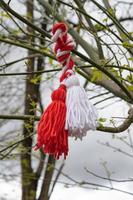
(81, 114)
(69, 41)
(56, 35)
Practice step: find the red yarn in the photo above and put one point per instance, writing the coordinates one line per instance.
(63, 43)
(52, 136)
(60, 25)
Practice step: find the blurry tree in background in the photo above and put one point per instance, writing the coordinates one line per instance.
(103, 57)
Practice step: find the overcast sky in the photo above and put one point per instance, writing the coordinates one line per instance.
(90, 154)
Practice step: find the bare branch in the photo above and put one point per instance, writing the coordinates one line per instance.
(27, 22)
(106, 83)
(104, 178)
(89, 50)
(125, 125)
(26, 46)
(123, 30)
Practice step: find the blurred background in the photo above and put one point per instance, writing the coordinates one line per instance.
(102, 163)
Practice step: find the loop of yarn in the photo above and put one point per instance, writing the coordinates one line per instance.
(64, 44)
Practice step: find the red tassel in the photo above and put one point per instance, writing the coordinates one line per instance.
(52, 136)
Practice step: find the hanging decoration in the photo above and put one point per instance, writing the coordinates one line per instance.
(70, 112)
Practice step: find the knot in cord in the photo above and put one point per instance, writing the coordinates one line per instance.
(64, 44)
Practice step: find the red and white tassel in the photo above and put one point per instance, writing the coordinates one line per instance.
(70, 112)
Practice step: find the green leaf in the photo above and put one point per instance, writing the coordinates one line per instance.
(130, 59)
(98, 27)
(100, 125)
(51, 61)
(35, 80)
(111, 11)
(4, 15)
(112, 121)
(129, 78)
(16, 32)
(125, 65)
(97, 75)
(131, 34)
(105, 19)
(130, 88)
(123, 36)
(127, 45)
(102, 119)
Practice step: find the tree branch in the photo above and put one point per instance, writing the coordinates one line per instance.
(20, 117)
(18, 60)
(125, 125)
(104, 178)
(25, 46)
(92, 52)
(110, 75)
(106, 83)
(104, 27)
(22, 19)
(16, 143)
(122, 20)
(34, 72)
(87, 47)
(115, 21)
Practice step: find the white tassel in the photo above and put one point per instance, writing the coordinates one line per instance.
(81, 114)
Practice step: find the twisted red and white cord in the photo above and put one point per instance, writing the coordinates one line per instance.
(64, 44)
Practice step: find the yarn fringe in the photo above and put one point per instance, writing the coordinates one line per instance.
(52, 136)
(81, 114)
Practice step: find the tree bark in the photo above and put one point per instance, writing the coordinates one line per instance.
(29, 182)
(44, 194)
